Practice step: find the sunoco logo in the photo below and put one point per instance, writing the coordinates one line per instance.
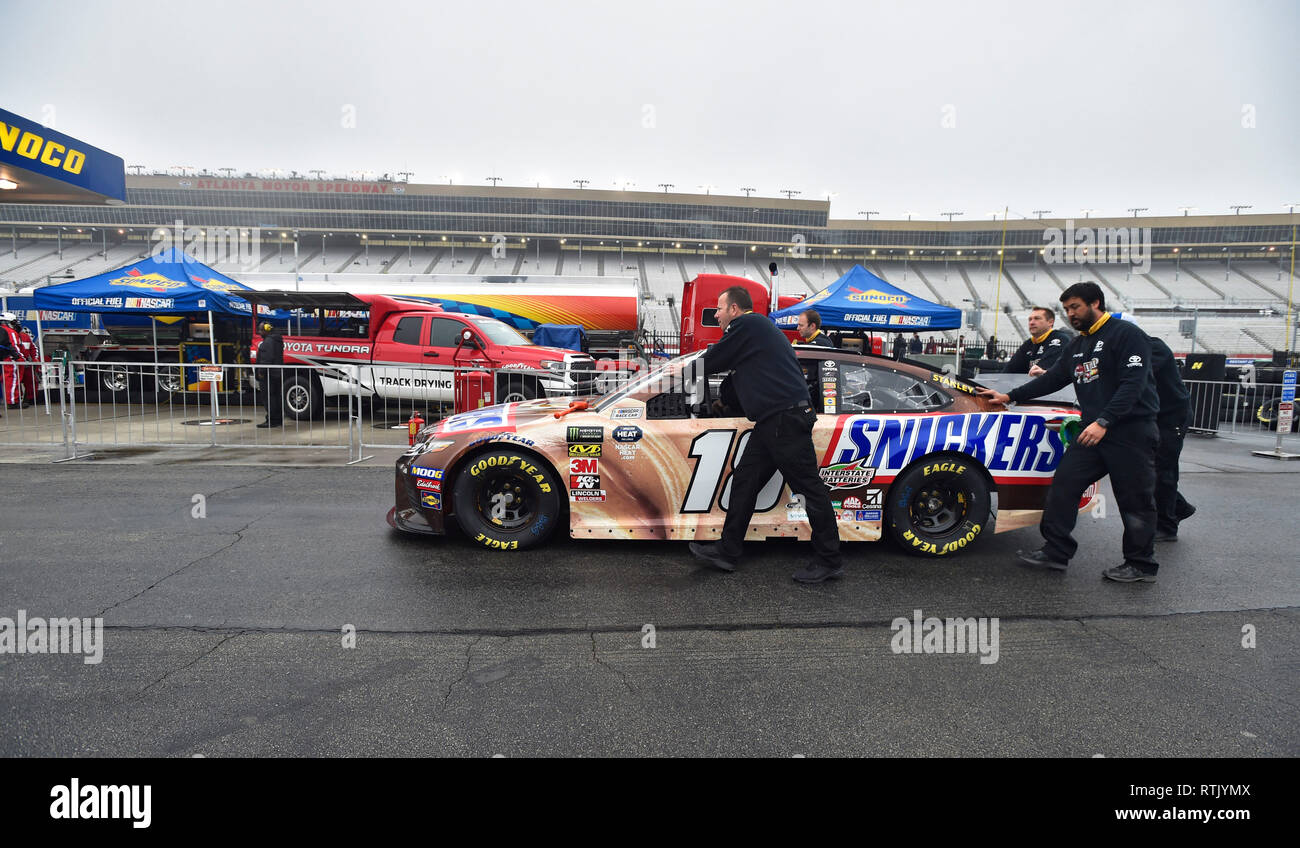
(153, 282)
(874, 296)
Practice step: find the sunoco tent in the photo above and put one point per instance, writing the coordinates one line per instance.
(862, 301)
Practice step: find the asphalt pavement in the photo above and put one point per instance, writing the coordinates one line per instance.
(228, 631)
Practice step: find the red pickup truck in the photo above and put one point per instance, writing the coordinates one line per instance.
(410, 350)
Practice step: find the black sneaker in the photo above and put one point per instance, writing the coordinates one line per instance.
(1184, 514)
(1039, 559)
(816, 572)
(712, 554)
(1162, 536)
(1128, 574)
(264, 425)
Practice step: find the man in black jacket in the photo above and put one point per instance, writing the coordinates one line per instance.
(271, 352)
(1172, 422)
(771, 388)
(1110, 364)
(1043, 347)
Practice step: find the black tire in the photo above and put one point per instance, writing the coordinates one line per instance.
(939, 506)
(531, 499)
(302, 397)
(516, 389)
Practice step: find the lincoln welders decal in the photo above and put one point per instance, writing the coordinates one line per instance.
(1008, 444)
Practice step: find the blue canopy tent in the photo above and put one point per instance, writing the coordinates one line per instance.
(862, 301)
(169, 283)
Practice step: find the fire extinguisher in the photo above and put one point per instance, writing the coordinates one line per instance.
(413, 427)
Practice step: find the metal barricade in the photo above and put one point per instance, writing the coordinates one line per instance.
(29, 412)
(1236, 407)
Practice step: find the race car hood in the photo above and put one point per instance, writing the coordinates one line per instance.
(502, 418)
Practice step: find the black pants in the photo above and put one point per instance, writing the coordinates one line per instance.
(782, 442)
(1128, 454)
(274, 383)
(1170, 504)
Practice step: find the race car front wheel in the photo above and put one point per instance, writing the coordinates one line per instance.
(938, 506)
(506, 500)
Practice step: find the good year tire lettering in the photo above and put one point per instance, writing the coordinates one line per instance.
(948, 547)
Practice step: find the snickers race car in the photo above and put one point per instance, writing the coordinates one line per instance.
(905, 451)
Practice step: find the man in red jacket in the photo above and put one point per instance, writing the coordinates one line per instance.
(15, 345)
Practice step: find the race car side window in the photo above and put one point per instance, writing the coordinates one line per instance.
(868, 388)
(408, 329)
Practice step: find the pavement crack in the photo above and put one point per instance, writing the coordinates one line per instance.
(192, 663)
(268, 476)
(446, 698)
(617, 671)
(239, 537)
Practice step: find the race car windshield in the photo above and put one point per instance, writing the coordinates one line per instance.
(679, 372)
(500, 332)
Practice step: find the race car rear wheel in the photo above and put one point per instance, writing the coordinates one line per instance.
(507, 500)
(938, 506)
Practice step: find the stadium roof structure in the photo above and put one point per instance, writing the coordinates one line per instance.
(42, 165)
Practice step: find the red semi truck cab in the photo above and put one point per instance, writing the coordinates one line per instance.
(700, 308)
(411, 350)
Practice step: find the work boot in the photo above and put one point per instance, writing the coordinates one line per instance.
(711, 552)
(816, 572)
(1040, 559)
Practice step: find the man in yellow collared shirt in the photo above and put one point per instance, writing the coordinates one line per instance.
(1044, 346)
(810, 329)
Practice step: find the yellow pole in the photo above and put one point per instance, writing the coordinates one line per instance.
(997, 296)
(1290, 292)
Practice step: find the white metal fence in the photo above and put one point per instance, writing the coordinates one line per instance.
(77, 407)
(72, 408)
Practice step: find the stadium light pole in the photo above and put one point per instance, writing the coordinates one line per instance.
(1087, 212)
(1041, 212)
(868, 213)
(748, 191)
(317, 172)
(138, 169)
(789, 193)
(1236, 210)
(1136, 209)
(581, 184)
(666, 186)
(1186, 209)
(952, 215)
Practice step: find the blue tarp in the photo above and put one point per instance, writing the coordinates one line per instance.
(171, 283)
(862, 301)
(567, 336)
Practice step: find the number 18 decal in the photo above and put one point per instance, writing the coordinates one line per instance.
(710, 450)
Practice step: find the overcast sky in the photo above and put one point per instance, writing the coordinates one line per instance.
(921, 106)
